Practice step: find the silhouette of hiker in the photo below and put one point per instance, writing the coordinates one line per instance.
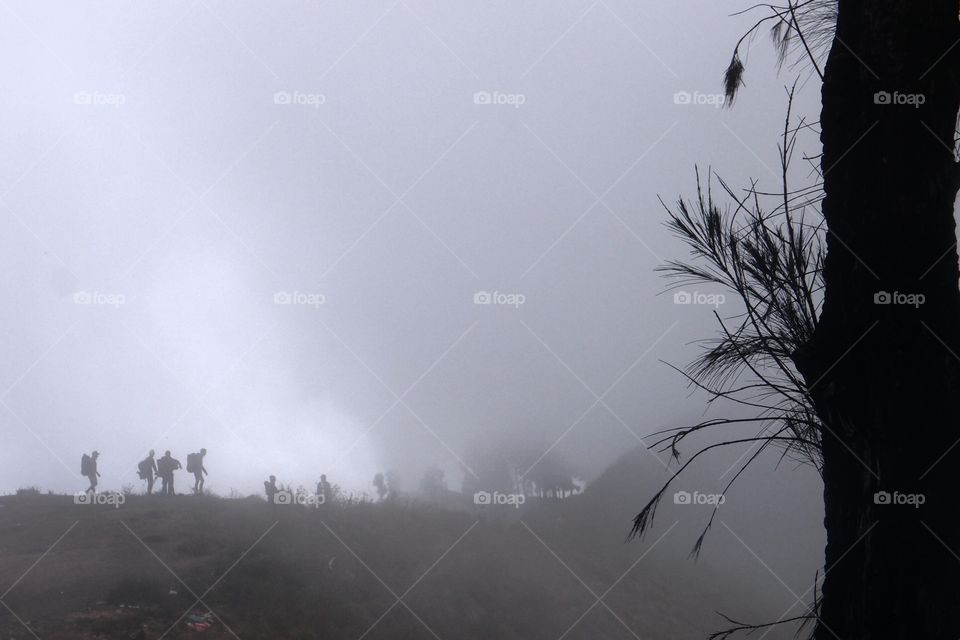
(147, 469)
(323, 490)
(165, 468)
(270, 487)
(88, 468)
(195, 466)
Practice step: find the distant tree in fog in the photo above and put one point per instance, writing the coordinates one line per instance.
(380, 483)
(433, 486)
(387, 484)
(522, 469)
(551, 477)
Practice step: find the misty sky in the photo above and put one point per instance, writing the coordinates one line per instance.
(173, 172)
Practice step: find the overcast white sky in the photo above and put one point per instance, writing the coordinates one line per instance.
(150, 162)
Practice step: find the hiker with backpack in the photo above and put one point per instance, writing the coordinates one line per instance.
(88, 468)
(147, 469)
(195, 466)
(165, 468)
(270, 487)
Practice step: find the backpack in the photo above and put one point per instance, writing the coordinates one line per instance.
(144, 469)
(193, 462)
(86, 465)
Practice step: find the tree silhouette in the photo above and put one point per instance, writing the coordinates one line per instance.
(432, 484)
(862, 384)
(551, 477)
(380, 484)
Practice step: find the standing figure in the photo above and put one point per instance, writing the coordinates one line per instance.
(165, 468)
(88, 468)
(324, 490)
(195, 466)
(147, 469)
(270, 487)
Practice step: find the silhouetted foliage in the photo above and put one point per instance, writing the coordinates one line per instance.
(801, 32)
(767, 250)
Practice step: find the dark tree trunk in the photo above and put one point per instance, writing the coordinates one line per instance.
(886, 377)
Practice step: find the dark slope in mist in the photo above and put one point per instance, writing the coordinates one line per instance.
(337, 572)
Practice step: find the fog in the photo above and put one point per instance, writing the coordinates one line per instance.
(351, 238)
(175, 172)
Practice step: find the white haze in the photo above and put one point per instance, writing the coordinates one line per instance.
(198, 199)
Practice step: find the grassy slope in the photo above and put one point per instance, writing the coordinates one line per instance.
(301, 581)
